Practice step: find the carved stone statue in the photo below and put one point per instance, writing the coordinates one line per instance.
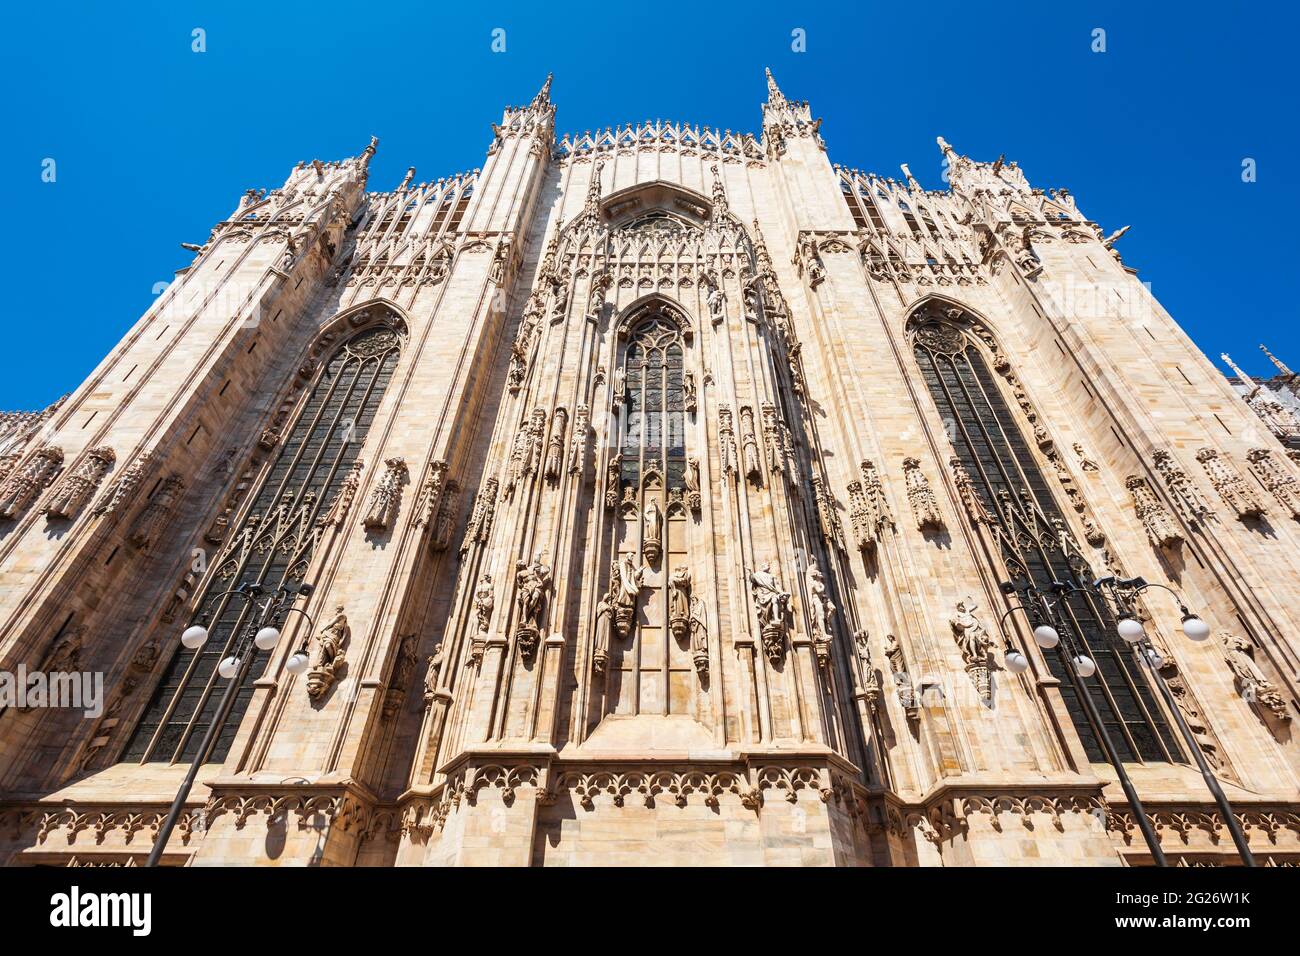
(974, 642)
(679, 601)
(699, 638)
(822, 611)
(629, 578)
(692, 482)
(772, 605)
(688, 391)
(532, 585)
(1252, 685)
(604, 620)
(330, 655)
(431, 673)
(717, 304)
(652, 546)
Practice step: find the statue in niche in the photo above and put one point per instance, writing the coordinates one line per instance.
(1252, 685)
(431, 673)
(654, 531)
(620, 384)
(604, 620)
(679, 601)
(692, 481)
(688, 391)
(484, 601)
(330, 656)
(630, 575)
(532, 584)
(716, 302)
(974, 642)
(772, 605)
(823, 614)
(699, 638)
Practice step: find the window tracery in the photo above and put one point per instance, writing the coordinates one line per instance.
(298, 499)
(1000, 470)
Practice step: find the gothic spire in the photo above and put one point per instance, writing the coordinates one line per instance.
(592, 206)
(369, 151)
(910, 180)
(774, 94)
(543, 96)
(1278, 362)
(946, 148)
(1241, 376)
(719, 194)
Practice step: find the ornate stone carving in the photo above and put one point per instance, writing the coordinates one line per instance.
(480, 521)
(426, 509)
(925, 506)
(525, 454)
(692, 482)
(76, 489)
(679, 601)
(432, 670)
(749, 444)
(688, 391)
(726, 442)
(386, 497)
(329, 655)
(822, 612)
(22, 488)
(699, 638)
(974, 642)
(532, 591)
(772, 605)
(652, 540)
(907, 695)
(827, 520)
(772, 440)
(628, 575)
(1280, 483)
(158, 513)
(1252, 685)
(870, 684)
(1185, 497)
(555, 446)
(403, 668)
(1232, 488)
(1086, 463)
(1162, 531)
(613, 480)
(337, 511)
(970, 498)
(869, 511)
(581, 434)
(445, 522)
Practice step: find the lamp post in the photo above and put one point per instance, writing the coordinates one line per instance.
(1050, 628)
(1130, 629)
(260, 632)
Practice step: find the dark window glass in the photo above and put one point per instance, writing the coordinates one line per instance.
(993, 450)
(271, 545)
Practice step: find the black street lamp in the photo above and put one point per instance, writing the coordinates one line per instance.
(1050, 628)
(260, 632)
(1126, 590)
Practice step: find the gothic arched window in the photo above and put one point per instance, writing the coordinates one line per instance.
(654, 402)
(273, 544)
(1036, 543)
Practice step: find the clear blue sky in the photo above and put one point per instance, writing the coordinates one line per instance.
(154, 143)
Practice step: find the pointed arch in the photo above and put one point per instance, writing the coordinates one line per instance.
(650, 304)
(271, 540)
(994, 460)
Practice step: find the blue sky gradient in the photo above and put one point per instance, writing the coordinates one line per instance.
(154, 143)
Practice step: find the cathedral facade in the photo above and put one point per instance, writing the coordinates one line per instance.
(653, 496)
